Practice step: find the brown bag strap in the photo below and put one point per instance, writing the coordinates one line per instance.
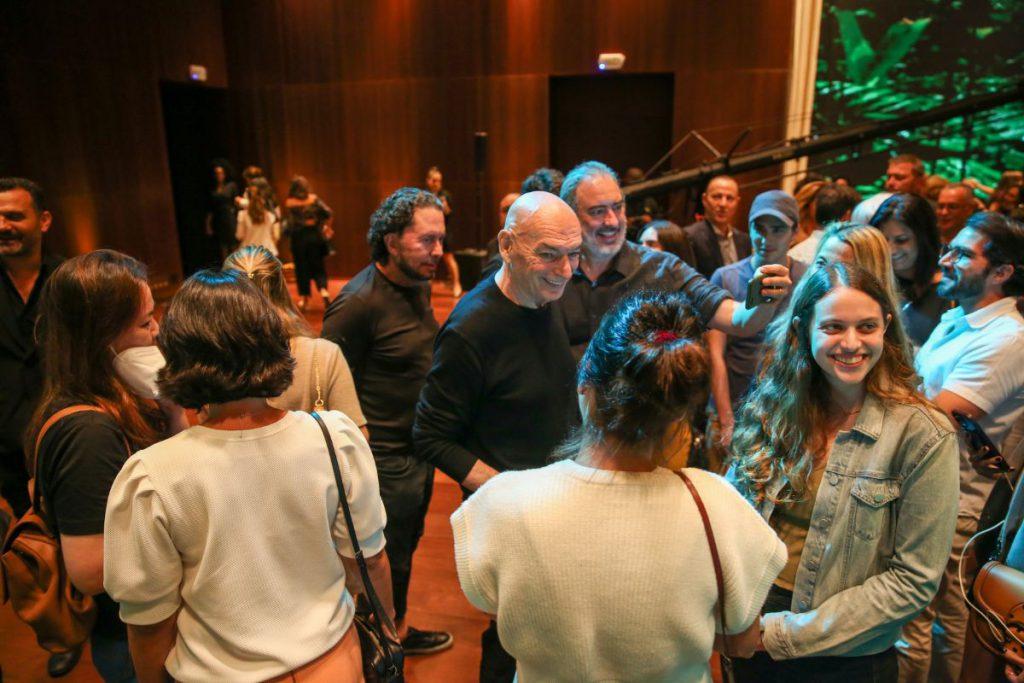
(714, 554)
(52, 420)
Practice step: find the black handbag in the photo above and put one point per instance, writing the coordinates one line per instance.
(383, 659)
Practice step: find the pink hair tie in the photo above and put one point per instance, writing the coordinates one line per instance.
(665, 336)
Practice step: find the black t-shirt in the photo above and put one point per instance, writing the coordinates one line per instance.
(386, 333)
(19, 358)
(501, 389)
(79, 457)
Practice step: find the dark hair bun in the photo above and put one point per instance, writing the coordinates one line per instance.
(646, 366)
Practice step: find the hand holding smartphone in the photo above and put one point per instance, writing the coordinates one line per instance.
(981, 446)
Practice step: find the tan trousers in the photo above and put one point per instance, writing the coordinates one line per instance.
(950, 611)
(343, 663)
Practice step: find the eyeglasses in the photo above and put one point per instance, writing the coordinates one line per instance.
(958, 253)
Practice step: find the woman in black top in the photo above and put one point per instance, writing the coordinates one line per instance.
(309, 224)
(909, 225)
(97, 336)
(221, 219)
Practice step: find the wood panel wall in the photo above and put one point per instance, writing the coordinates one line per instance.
(362, 97)
(82, 115)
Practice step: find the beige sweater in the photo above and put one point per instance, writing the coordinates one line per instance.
(336, 386)
(606, 576)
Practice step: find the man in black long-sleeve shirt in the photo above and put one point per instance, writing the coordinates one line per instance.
(385, 326)
(501, 392)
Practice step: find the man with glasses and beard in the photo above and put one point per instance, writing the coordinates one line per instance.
(973, 363)
(385, 326)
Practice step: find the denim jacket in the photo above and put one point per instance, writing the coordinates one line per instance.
(879, 536)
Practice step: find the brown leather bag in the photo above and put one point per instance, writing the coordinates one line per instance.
(33, 574)
(999, 595)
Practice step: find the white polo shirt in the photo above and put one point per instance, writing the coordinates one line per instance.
(979, 357)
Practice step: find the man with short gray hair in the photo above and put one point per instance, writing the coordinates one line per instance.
(610, 267)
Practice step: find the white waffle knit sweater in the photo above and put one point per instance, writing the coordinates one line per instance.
(597, 575)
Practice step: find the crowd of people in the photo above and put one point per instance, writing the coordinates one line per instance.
(701, 439)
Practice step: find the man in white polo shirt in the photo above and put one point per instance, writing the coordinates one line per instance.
(973, 363)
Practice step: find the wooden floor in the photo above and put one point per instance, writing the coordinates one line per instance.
(435, 600)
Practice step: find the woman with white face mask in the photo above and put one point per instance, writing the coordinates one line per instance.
(97, 335)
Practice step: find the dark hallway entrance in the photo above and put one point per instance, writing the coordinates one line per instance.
(197, 131)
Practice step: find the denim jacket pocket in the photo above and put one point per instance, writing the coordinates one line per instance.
(873, 505)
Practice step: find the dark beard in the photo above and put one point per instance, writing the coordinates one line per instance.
(410, 272)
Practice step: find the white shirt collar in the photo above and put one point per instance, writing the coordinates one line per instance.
(983, 316)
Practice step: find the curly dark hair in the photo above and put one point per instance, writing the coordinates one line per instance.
(223, 341)
(394, 215)
(647, 370)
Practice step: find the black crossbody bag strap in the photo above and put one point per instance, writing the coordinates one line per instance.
(379, 613)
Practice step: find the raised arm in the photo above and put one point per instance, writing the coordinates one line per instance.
(734, 318)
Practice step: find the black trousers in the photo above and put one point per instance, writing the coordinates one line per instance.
(406, 485)
(761, 668)
(309, 250)
(496, 665)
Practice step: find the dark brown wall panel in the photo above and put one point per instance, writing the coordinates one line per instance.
(362, 97)
(81, 82)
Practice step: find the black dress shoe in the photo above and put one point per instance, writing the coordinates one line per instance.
(417, 642)
(62, 663)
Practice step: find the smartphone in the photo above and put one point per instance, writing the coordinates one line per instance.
(754, 296)
(981, 446)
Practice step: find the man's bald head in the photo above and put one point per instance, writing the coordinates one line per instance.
(540, 245)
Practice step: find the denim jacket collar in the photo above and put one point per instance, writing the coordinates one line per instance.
(872, 415)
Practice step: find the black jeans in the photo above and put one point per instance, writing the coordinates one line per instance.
(496, 665)
(406, 485)
(761, 668)
(308, 251)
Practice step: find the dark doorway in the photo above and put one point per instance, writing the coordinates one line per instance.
(197, 131)
(621, 119)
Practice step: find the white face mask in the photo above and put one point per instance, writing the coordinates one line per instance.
(138, 366)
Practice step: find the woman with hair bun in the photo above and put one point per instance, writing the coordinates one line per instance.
(856, 471)
(597, 566)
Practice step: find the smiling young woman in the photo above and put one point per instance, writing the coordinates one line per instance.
(833, 441)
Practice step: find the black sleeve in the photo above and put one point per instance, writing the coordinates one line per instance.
(447, 404)
(325, 211)
(349, 324)
(81, 455)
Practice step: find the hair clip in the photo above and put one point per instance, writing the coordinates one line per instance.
(665, 336)
(252, 275)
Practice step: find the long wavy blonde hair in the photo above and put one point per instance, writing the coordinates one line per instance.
(780, 430)
(267, 273)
